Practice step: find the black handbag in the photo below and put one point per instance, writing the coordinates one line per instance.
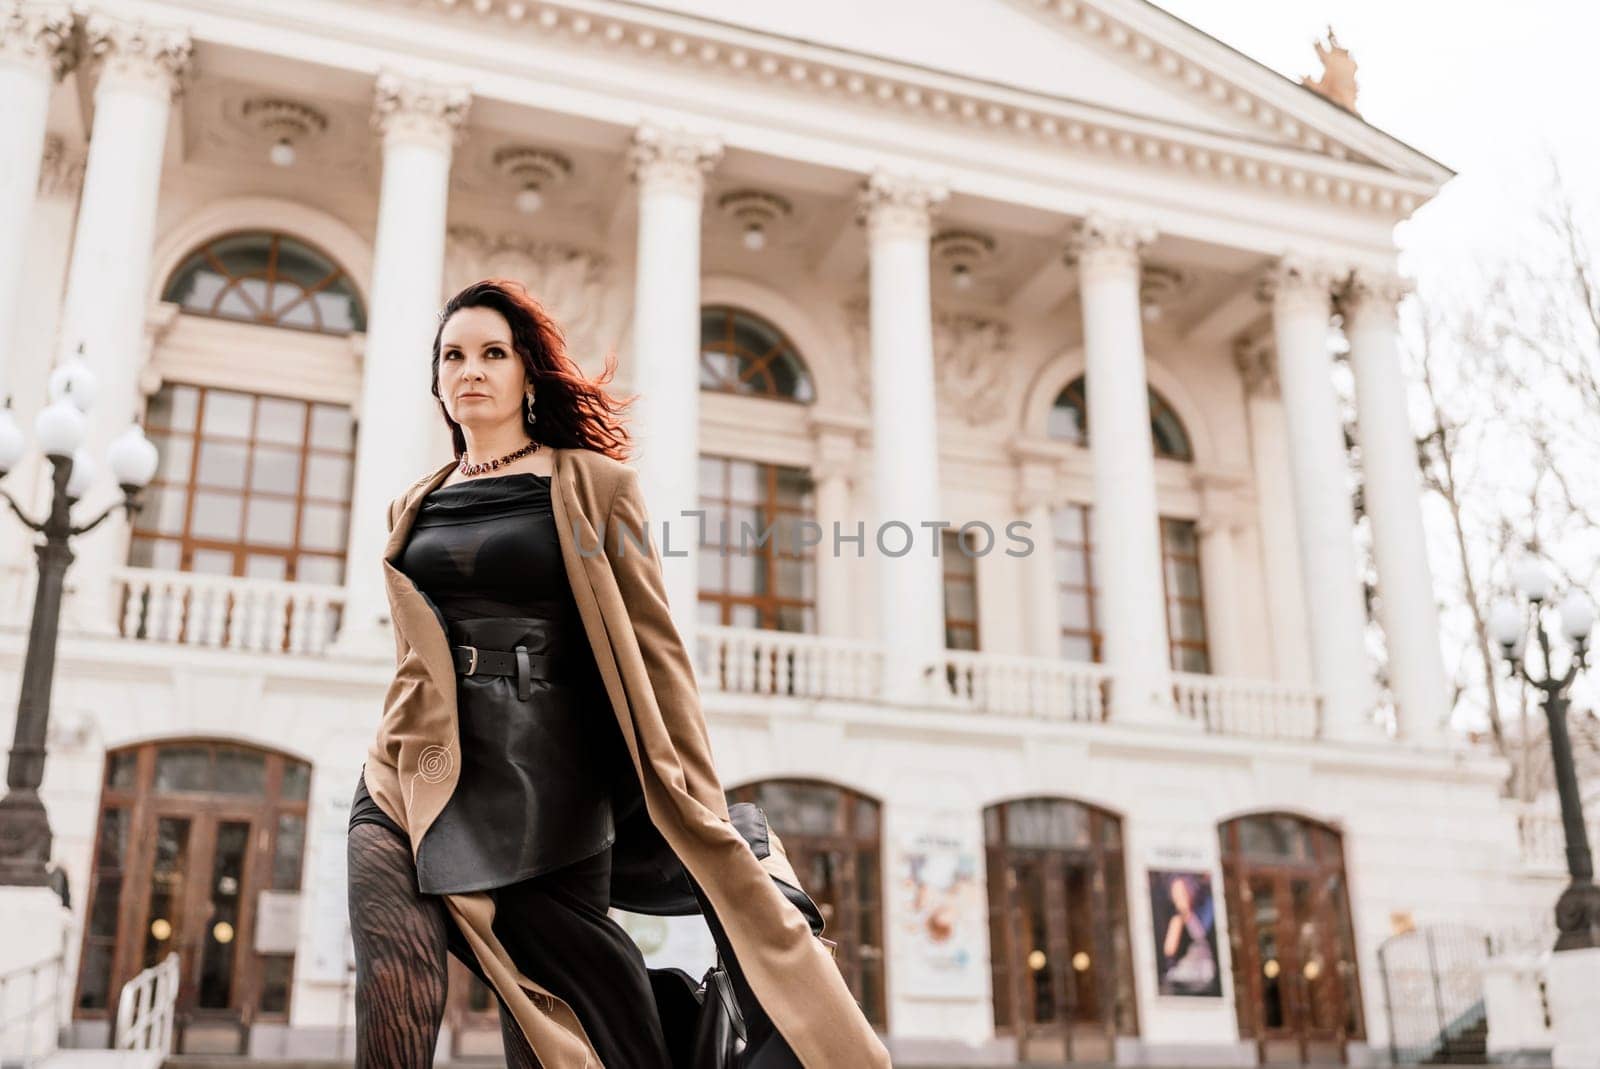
(703, 1025)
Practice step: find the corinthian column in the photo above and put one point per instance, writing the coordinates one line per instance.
(418, 122)
(35, 52)
(140, 71)
(1324, 520)
(905, 435)
(670, 169)
(1126, 528)
(1392, 493)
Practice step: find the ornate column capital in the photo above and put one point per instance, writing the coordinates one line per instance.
(893, 205)
(1369, 293)
(1102, 244)
(38, 34)
(1298, 283)
(415, 110)
(139, 55)
(674, 161)
(61, 168)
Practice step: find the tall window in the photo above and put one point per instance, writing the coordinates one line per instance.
(959, 553)
(744, 354)
(752, 573)
(833, 839)
(1069, 420)
(267, 278)
(1186, 617)
(1078, 596)
(248, 485)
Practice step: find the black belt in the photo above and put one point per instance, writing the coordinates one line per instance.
(472, 661)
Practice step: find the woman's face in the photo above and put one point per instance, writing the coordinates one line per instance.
(481, 377)
(1180, 896)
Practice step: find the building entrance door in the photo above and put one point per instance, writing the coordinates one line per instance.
(1063, 977)
(1295, 982)
(199, 853)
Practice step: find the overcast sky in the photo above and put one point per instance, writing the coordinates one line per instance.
(1480, 85)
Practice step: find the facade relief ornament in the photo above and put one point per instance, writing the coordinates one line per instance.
(61, 168)
(155, 58)
(38, 33)
(1102, 244)
(894, 206)
(411, 109)
(675, 161)
(1257, 361)
(971, 356)
(577, 287)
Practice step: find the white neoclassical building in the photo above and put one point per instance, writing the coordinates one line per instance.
(1049, 287)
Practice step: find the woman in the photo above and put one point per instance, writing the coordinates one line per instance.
(542, 753)
(1189, 967)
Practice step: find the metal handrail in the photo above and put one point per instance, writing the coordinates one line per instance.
(145, 1008)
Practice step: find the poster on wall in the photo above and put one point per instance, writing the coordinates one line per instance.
(939, 918)
(1185, 917)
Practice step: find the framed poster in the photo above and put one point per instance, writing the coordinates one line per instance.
(938, 915)
(1183, 911)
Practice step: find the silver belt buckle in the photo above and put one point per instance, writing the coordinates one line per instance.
(472, 665)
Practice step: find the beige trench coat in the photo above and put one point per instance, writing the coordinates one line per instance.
(413, 766)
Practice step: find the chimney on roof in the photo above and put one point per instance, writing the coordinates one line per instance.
(1338, 81)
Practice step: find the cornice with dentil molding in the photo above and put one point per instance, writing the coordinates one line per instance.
(419, 111)
(40, 34)
(672, 160)
(139, 53)
(1315, 166)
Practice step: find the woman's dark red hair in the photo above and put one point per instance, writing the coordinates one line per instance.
(574, 411)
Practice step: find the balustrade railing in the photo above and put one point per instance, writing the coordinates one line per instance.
(229, 612)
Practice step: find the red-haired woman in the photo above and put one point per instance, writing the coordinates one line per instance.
(543, 755)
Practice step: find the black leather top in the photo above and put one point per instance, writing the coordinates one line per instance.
(542, 780)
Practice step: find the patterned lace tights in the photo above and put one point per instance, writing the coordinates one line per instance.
(402, 943)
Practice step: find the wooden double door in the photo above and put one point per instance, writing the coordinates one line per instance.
(1296, 986)
(1058, 929)
(194, 838)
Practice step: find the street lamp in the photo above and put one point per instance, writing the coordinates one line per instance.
(60, 428)
(1578, 908)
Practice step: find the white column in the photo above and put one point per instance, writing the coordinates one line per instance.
(1392, 494)
(1124, 520)
(1284, 589)
(1035, 488)
(832, 474)
(1219, 587)
(109, 280)
(905, 436)
(1324, 518)
(35, 52)
(418, 122)
(670, 169)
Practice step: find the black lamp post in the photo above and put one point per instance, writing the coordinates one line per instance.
(1578, 908)
(24, 826)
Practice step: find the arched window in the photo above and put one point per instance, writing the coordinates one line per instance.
(270, 279)
(832, 838)
(744, 354)
(1295, 983)
(193, 836)
(1060, 954)
(1069, 421)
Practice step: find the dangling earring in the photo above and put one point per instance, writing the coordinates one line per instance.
(532, 418)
